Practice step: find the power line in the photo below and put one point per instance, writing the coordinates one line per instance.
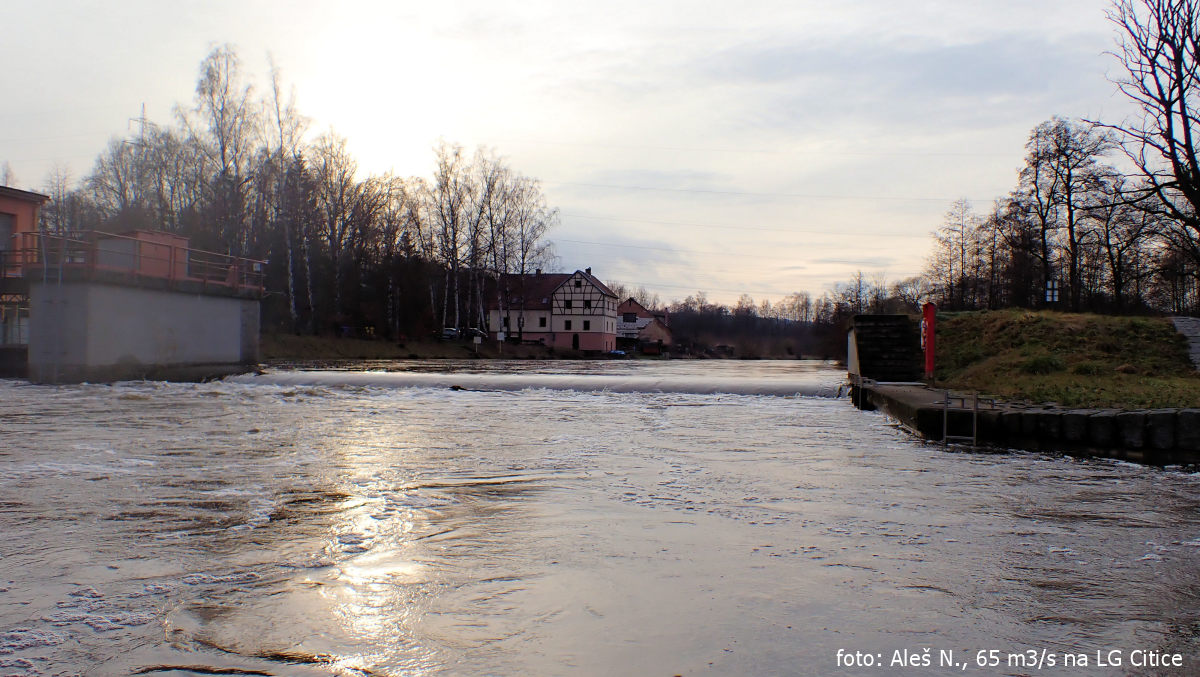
(705, 289)
(757, 151)
(707, 191)
(74, 110)
(56, 137)
(673, 249)
(728, 227)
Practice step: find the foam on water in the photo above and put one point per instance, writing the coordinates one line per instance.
(27, 638)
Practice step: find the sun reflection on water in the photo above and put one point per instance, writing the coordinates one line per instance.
(377, 590)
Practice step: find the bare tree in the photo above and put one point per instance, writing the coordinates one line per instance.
(114, 181)
(912, 292)
(449, 199)
(1159, 53)
(225, 122)
(1122, 231)
(55, 216)
(288, 127)
(346, 206)
(948, 264)
(1038, 197)
(1071, 152)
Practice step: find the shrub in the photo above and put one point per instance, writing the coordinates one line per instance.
(1088, 369)
(1042, 364)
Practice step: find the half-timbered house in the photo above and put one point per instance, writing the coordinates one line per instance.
(561, 310)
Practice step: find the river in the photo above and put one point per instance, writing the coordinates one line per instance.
(353, 522)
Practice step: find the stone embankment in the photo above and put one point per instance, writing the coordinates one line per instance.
(1156, 436)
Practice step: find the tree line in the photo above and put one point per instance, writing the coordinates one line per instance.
(237, 173)
(1105, 216)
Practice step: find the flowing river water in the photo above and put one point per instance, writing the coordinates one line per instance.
(318, 522)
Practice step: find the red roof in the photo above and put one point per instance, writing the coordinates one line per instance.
(533, 291)
(587, 275)
(632, 306)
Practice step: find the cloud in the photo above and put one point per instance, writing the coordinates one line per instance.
(799, 86)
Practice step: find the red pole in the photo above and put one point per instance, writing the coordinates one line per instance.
(929, 336)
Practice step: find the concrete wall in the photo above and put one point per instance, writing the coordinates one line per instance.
(85, 331)
(1157, 436)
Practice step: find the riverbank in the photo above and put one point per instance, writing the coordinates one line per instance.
(1084, 385)
(1066, 359)
(293, 348)
(290, 347)
(1165, 436)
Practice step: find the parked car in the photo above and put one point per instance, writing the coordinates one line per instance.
(449, 333)
(476, 332)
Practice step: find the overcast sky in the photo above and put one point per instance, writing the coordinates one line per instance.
(764, 147)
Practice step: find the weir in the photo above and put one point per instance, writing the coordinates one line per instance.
(577, 382)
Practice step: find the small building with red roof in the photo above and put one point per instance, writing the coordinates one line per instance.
(640, 327)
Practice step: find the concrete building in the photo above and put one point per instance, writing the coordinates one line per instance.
(561, 310)
(96, 306)
(18, 227)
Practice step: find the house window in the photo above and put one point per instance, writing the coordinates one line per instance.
(6, 230)
(629, 317)
(567, 325)
(567, 304)
(587, 304)
(578, 283)
(506, 321)
(542, 321)
(587, 324)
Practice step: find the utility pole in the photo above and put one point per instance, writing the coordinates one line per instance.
(141, 152)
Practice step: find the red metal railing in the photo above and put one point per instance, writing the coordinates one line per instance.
(144, 255)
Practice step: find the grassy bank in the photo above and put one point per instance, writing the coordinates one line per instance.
(1073, 359)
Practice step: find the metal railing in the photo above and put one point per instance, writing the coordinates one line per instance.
(155, 257)
(948, 406)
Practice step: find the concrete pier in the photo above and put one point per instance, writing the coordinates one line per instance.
(1155, 437)
(141, 305)
(88, 331)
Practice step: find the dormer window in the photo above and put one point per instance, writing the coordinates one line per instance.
(587, 304)
(578, 283)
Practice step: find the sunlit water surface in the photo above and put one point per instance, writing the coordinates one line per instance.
(319, 529)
